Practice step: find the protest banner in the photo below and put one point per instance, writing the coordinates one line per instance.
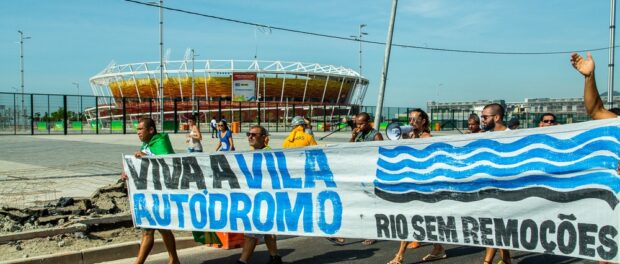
(549, 190)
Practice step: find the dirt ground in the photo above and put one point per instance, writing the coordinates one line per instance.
(72, 242)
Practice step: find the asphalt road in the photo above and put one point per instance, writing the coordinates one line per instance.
(318, 250)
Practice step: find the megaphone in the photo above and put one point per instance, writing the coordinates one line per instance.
(395, 131)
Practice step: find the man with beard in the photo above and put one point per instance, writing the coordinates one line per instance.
(492, 120)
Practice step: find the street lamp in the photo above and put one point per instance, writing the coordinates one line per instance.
(193, 93)
(21, 70)
(359, 39)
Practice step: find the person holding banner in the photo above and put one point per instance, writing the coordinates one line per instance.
(153, 143)
(418, 119)
(363, 131)
(591, 98)
(473, 124)
(226, 141)
(547, 119)
(256, 139)
(298, 137)
(492, 120)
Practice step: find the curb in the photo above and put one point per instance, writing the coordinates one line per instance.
(103, 253)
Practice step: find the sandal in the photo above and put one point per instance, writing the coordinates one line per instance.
(431, 256)
(336, 240)
(413, 244)
(368, 242)
(398, 259)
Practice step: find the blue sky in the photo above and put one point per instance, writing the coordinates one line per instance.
(72, 40)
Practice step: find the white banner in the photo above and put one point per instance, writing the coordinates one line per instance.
(550, 190)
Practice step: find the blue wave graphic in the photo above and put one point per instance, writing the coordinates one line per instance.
(600, 178)
(494, 158)
(586, 164)
(508, 147)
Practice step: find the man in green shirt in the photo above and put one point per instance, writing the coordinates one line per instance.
(154, 143)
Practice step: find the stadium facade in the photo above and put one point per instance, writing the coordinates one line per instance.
(239, 86)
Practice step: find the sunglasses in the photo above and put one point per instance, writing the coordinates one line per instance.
(548, 121)
(248, 134)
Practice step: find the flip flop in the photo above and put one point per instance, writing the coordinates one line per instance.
(368, 242)
(431, 257)
(336, 240)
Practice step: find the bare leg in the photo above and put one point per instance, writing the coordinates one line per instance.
(437, 250)
(272, 245)
(489, 255)
(505, 255)
(146, 244)
(248, 248)
(171, 246)
(398, 258)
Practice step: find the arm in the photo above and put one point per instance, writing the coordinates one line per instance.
(198, 134)
(591, 98)
(378, 137)
(219, 145)
(231, 143)
(354, 133)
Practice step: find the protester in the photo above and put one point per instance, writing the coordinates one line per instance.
(153, 143)
(420, 122)
(547, 119)
(492, 120)
(363, 131)
(514, 123)
(591, 98)
(213, 124)
(297, 137)
(225, 135)
(256, 139)
(194, 137)
(473, 124)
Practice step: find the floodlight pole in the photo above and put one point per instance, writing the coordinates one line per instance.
(193, 93)
(161, 63)
(386, 63)
(359, 39)
(21, 70)
(612, 38)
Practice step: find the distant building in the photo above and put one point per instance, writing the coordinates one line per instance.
(453, 115)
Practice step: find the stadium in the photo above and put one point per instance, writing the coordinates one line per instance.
(240, 90)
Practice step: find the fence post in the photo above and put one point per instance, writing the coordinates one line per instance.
(15, 114)
(64, 114)
(176, 118)
(124, 116)
(240, 119)
(277, 116)
(219, 108)
(96, 114)
(31, 114)
(258, 112)
(324, 118)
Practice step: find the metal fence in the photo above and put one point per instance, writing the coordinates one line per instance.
(34, 114)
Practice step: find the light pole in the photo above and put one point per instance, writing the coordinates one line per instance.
(21, 70)
(359, 39)
(193, 92)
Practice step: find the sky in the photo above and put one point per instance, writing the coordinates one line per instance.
(73, 40)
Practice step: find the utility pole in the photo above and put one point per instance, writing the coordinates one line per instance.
(386, 63)
(21, 70)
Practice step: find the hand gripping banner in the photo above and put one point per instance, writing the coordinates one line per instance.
(550, 190)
